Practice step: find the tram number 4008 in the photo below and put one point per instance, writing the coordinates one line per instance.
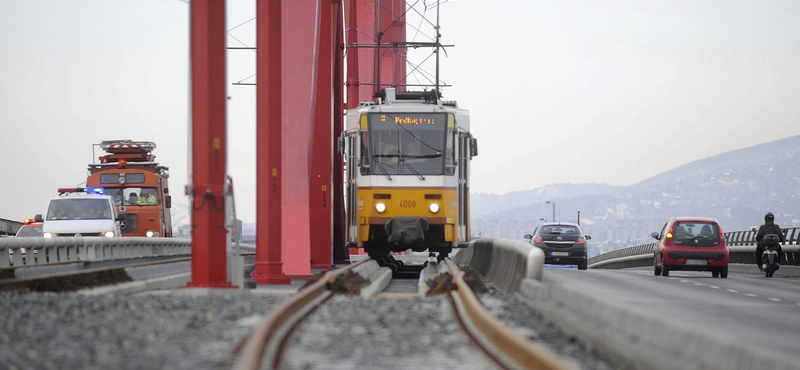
(408, 203)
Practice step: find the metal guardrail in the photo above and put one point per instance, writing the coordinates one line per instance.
(741, 246)
(56, 250)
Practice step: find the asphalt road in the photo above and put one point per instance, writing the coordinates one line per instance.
(755, 310)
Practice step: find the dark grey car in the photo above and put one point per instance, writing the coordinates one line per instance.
(562, 243)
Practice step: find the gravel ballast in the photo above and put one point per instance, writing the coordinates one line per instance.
(180, 330)
(149, 331)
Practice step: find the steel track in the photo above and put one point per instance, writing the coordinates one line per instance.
(264, 348)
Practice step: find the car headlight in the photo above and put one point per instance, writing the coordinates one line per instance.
(434, 207)
(109, 234)
(149, 234)
(48, 235)
(380, 207)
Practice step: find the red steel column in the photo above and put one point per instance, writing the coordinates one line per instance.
(352, 83)
(320, 190)
(340, 252)
(209, 258)
(352, 56)
(393, 24)
(268, 265)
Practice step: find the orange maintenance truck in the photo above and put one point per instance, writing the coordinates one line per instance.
(128, 172)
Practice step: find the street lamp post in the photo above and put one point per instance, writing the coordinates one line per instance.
(554, 208)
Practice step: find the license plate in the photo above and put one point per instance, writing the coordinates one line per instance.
(559, 254)
(696, 262)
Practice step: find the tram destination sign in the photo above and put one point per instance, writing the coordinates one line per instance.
(434, 119)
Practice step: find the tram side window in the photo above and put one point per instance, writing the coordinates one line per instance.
(365, 153)
(450, 153)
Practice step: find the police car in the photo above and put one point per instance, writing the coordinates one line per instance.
(79, 212)
(31, 227)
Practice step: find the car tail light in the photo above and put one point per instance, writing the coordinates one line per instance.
(580, 240)
(668, 239)
(538, 239)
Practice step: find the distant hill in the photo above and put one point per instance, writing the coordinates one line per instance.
(736, 187)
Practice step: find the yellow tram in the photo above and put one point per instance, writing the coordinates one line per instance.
(407, 174)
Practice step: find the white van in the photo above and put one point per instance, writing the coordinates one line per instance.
(81, 212)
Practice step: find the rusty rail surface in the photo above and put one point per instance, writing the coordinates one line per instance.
(523, 352)
(256, 346)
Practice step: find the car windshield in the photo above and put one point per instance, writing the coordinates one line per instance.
(79, 209)
(560, 229)
(696, 231)
(29, 231)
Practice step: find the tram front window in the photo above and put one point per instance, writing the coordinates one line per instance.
(400, 148)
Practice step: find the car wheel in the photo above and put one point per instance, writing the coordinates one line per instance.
(582, 265)
(665, 271)
(715, 274)
(724, 272)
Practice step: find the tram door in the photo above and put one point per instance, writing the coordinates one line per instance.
(463, 186)
(351, 194)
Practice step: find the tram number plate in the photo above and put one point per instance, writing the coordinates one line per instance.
(696, 262)
(559, 254)
(408, 204)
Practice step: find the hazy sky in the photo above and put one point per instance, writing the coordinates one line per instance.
(560, 91)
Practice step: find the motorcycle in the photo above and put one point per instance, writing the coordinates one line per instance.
(770, 258)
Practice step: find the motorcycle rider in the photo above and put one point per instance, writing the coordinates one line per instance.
(769, 227)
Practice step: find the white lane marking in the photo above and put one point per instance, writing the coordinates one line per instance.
(751, 295)
(714, 287)
(698, 284)
(733, 290)
(776, 299)
(685, 281)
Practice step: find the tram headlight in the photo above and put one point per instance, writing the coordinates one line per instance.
(149, 234)
(48, 235)
(380, 207)
(434, 207)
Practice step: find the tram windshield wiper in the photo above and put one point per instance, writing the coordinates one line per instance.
(410, 167)
(380, 164)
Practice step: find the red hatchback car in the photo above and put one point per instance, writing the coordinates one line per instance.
(691, 243)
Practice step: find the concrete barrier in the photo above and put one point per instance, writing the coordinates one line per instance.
(641, 340)
(503, 262)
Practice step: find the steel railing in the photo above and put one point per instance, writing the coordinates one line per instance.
(41, 251)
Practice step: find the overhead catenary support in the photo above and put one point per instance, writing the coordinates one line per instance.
(268, 265)
(209, 266)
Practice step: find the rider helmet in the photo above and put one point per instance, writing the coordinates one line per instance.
(769, 217)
